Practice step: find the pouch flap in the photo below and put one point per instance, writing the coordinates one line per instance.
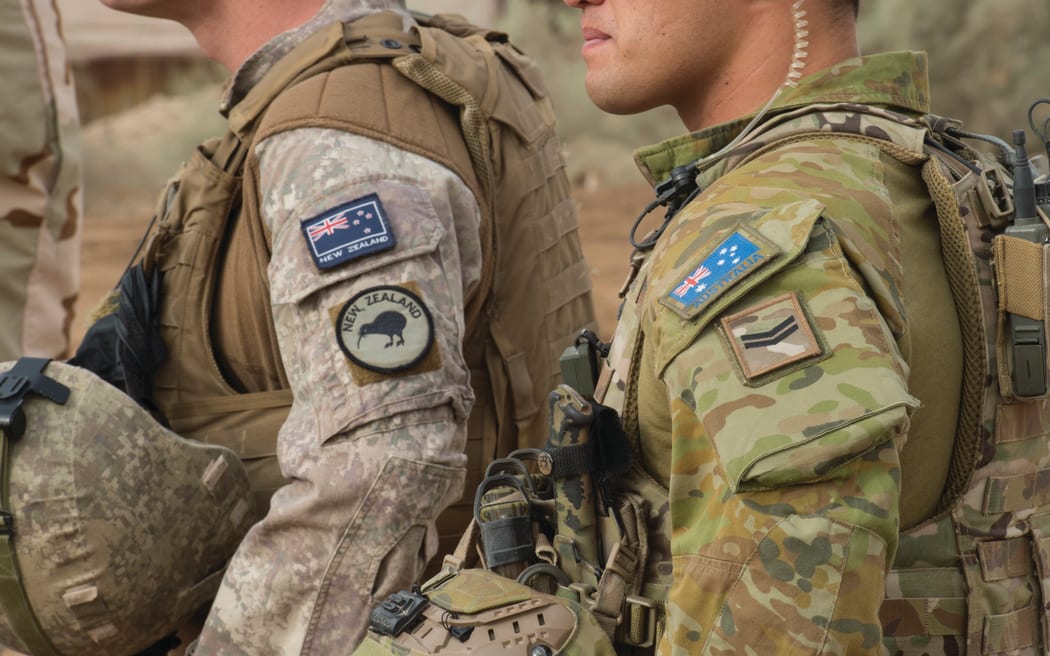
(474, 591)
(701, 274)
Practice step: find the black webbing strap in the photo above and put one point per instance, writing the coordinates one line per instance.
(606, 452)
(572, 460)
(24, 378)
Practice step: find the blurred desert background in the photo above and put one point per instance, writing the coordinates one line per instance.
(147, 97)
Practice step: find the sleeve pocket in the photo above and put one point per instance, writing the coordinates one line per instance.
(416, 227)
(407, 493)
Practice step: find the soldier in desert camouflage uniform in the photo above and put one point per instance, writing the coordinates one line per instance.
(40, 194)
(332, 281)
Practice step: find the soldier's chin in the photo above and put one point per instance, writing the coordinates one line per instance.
(615, 99)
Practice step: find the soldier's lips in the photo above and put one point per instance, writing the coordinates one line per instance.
(593, 38)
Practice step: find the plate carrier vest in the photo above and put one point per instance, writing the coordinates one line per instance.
(466, 99)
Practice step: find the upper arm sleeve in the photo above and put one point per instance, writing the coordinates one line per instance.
(788, 402)
(343, 362)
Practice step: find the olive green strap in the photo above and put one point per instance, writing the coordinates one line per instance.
(13, 602)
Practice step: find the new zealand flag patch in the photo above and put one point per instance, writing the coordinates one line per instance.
(349, 231)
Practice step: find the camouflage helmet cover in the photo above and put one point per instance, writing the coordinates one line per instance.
(121, 527)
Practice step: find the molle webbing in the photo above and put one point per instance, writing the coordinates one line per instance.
(470, 102)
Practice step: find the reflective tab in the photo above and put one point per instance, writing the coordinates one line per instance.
(213, 473)
(102, 633)
(80, 595)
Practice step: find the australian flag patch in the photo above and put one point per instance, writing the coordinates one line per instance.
(349, 231)
(732, 259)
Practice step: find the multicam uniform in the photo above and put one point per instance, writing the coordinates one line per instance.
(787, 354)
(40, 194)
(843, 447)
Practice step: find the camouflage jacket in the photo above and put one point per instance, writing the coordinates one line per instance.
(367, 430)
(762, 364)
(380, 231)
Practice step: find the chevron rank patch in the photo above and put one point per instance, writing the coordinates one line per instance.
(347, 232)
(772, 336)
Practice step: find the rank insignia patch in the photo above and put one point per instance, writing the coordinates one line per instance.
(347, 232)
(731, 260)
(772, 336)
(386, 330)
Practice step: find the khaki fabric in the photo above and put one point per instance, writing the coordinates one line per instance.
(248, 317)
(40, 182)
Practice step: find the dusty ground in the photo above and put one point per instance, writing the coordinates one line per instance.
(605, 216)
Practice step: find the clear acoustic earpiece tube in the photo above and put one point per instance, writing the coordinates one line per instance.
(672, 192)
(794, 74)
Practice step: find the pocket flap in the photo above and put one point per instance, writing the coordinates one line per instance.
(412, 221)
(710, 270)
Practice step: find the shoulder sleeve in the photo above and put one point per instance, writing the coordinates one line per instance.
(374, 249)
(789, 402)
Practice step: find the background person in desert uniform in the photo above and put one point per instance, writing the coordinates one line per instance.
(40, 187)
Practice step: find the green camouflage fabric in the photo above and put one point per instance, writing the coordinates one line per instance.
(121, 527)
(787, 393)
(502, 616)
(40, 182)
(574, 496)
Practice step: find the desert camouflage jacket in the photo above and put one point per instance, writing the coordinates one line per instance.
(762, 364)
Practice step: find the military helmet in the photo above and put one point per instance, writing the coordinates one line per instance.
(113, 529)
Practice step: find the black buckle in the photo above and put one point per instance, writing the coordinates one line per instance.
(7, 524)
(15, 385)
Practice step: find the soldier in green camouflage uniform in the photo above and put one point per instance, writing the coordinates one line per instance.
(40, 195)
(788, 351)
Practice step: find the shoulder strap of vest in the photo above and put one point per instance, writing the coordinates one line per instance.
(422, 69)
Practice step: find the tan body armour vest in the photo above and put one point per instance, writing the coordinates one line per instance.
(465, 99)
(974, 578)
